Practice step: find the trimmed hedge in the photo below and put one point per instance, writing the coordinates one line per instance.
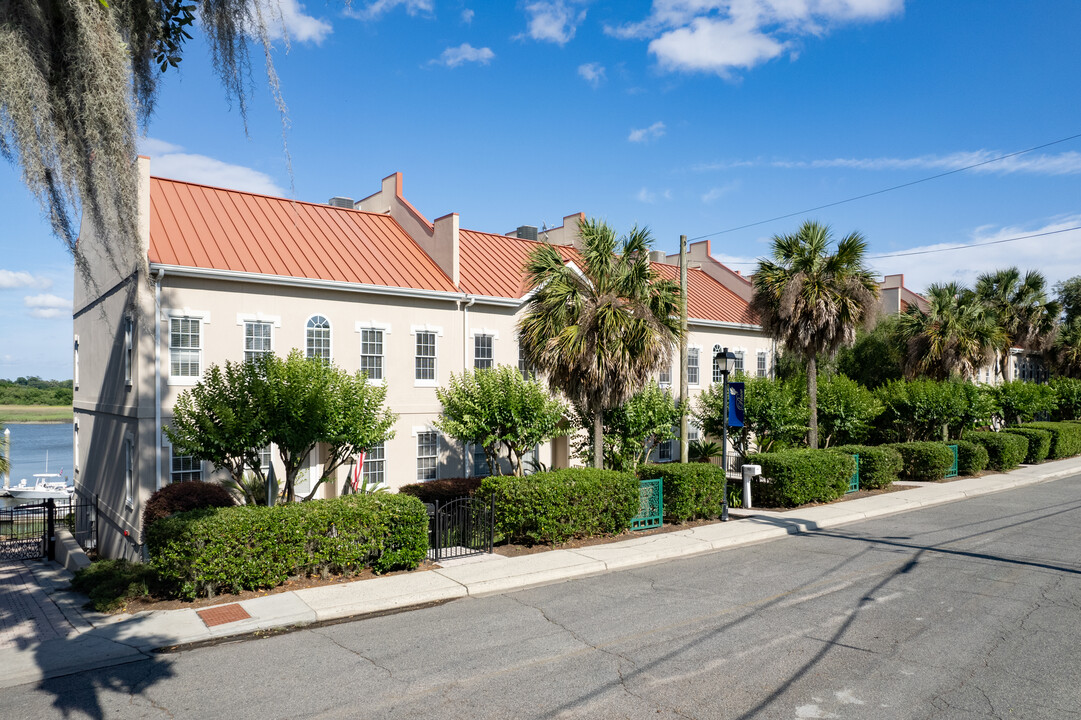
(972, 457)
(184, 497)
(442, 490)
(879, 464)
(1039, 442)
(1005, 450)
(797, 477)
(925, 461)
(552, 507)
(249, 547)
(691, 490)
(1065, 438)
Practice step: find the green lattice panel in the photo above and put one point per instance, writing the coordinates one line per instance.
(952, 472)
(854, 481)
(650, 505)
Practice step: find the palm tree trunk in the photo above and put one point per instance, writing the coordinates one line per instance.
(812, 401)
(598, 439)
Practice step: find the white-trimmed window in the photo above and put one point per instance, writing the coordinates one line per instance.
(664, 451)
(75, 372)
(427, 455)
(739, 361)
(129, 343)
(265, 455)
(483, 356)
(185, 347)
(129, 471)
(256, 339)
(480, 462)
(317, 338)
(184, 468)
(374, 471)
(762, 369)
(665, 376)
(692, 366)
(371, 352)
(424, 362)
(717, 376)
(527, 370)
(693, 433)
(75, 447)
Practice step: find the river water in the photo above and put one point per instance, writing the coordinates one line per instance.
(30, 442)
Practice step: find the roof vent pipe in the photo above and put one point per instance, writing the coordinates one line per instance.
(341, 202)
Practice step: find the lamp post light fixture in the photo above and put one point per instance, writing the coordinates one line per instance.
(725, 362)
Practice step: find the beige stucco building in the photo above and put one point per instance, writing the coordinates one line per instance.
(371, 285)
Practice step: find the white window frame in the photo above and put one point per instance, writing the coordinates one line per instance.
(129, 347)
(417, 433)
(75, 371)
(738, 365)
(203, 318)
(173, 472)
(478, 448)
(330, 336)
(491, 349)
(664, 377)
(250, 354)
(75, 447)
(694, 378)
(366, 474)
(763, 363)
(244, 319)
(129, 471)
(436, 333)
(384, 329)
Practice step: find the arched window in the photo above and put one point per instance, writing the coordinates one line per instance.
(317, 342)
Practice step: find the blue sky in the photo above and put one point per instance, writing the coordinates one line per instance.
(689, 116)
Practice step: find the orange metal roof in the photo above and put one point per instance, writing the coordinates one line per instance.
(492, 265)
(206, 227)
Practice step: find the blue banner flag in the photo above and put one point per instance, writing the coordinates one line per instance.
(735, 404)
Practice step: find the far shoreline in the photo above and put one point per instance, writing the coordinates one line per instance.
(33, 414)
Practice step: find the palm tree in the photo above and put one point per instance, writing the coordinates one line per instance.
(601, 330)
(1066, 353)
(813, 301)
(956, 336)
(1022, 309)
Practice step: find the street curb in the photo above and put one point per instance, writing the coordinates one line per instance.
(177, 629)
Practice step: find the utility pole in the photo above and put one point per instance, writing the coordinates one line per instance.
(684, 454)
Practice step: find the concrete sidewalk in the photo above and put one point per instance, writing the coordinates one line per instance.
(83, 640)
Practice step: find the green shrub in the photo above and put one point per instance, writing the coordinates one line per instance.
(879, 464)
(442, 490)
(552, 507)
(1021, 401)
(846, 410)
(1039, 443)
(797, 477)
(918, 410)
(183, 497)
(1065, 438)
(249, 547)
(1068, 397)
(112, 584)
(1005, 451)
(972, 457)
(691, 491)
(924, 461)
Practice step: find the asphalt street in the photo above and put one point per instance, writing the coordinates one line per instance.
(965, 610)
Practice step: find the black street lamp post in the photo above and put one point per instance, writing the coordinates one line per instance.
(724, 361)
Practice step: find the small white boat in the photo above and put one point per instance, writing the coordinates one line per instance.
(46, 486)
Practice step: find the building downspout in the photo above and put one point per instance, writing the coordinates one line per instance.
(158, 275)
(467, 457)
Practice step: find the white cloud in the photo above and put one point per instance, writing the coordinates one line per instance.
(1056, 256)
(22, 279)
(47, 306)
(592, 73)
(645, 195)
(721, 35)
(1067, 163)
(715, 193)
(554, 21)
(287, 18)
(467, 16)
(378, 8)
(453, 57)
(168, 160)
(646, 134)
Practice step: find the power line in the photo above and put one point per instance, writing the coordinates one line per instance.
(889, 189)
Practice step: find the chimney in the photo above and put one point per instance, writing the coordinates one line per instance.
(526, 232)
(657, 256)
(341, 202)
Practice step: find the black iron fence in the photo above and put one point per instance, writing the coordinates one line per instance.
(28, 532)
(460, 528)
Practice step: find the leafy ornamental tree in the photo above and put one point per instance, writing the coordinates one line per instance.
(813, 301)
(774, 415)
(294, 402)
(957, 336)
(1021, 401)
(846, 410)
(918, 410)
(632, 430)
(1026, 317)
(497, 408)
(77, 76)
(876, 357)
(1068, 294)
(311, 401)
(222, 419)
(599, 331)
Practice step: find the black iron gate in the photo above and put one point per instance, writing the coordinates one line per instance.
(460, 528)
(28, 532)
